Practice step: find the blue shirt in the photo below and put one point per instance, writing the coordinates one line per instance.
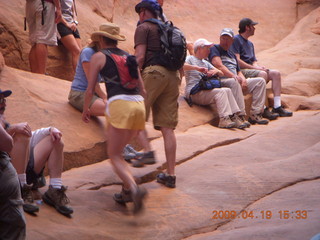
(244, 48)
(227, 57)
(80, 82)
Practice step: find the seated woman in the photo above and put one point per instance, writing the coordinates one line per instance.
(195, 67)
(68, 31)
(80, 83)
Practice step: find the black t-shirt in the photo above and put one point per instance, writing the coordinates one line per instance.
(109, 70)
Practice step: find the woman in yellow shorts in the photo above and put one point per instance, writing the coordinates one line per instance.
(125, 110)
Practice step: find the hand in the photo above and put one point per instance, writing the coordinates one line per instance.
(238, 79)
(22, 128)
(58, 17)
(55, 134)
(212, 72)
(143, 93)
(86, 115)
(73, 27)
(244, 86)
(202, 70)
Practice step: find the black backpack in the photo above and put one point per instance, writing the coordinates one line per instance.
(173, 45)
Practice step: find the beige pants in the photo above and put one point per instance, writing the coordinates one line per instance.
(222, 97)
(256, 86)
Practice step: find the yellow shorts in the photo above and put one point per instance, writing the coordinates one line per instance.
(126, 114)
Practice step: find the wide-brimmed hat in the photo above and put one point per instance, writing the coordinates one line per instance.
(5, 93)
(109, 30)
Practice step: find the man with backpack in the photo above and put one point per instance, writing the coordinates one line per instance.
(161, 79)
(42, 16)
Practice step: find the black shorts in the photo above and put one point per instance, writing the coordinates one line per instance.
(65, 31)
(32, 176)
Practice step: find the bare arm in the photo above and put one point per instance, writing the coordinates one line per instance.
(58, 11)
(6, 142)
(245, 65)
(97, 62)
(216, 61)
(98, 90)
(140, 53)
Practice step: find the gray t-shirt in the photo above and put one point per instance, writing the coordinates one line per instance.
(192, 76)
(66, 9)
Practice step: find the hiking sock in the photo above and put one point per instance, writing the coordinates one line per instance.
(277, 101)
(56, 183)
(22, 179)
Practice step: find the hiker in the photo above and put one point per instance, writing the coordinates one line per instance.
(162, 85)
(195, 68)
(125, 111)
(68, 30)
(80, 83)
(222, 58)
(244, 51)
(42, 16)
(12, 220)
(30, 153)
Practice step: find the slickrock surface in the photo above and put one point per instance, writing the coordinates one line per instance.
(264, 168)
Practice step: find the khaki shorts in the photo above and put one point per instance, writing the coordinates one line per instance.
(250, 73)
(125, 114)
(76, 99)
(38, 33)
(162, 88)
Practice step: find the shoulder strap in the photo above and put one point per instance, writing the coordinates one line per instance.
(114, 78)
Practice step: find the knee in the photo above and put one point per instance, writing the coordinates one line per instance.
(263, 75)
(275, 75)
(59, 144)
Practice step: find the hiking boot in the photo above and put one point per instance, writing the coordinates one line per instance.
(225, 122)
(269, 115)
(167, 180)
(257, 118)
(138, 199)
(123, 197)
(282, 112)
(58, 199)
(147, 158)
(243, 118)
(238, 121)
(28, 201)
(130, 153)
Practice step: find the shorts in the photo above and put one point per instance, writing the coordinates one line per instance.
(32, 176)
(76, 99)
(125, 114)
(65, 31)
(250, 73)
(162, 87)
(41, 33)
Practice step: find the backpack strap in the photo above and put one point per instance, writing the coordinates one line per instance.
(115, 77)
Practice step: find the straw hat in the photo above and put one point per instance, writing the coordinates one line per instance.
(109, 30)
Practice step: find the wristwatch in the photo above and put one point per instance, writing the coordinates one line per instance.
(76, 22)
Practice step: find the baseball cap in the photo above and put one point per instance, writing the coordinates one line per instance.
(227, 31)
(200, 43)
(151, 5)
(5, 93)
(246, 22)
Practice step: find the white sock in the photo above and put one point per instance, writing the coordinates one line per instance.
(23, 179)
(277, 102)
(56, 182)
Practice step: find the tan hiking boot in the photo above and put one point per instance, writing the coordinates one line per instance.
(257, 118)
(225, 122)
(238, 121)
(58, 199)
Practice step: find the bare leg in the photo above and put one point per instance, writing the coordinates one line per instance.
(143, 139)
(38, 58)
(170, 147)
(98, 108)
(118, 139)
(52, 152)
(73, 46)
(275, 77)
(20, 152)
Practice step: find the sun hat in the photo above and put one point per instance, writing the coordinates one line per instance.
(5, 93)
(109, 30)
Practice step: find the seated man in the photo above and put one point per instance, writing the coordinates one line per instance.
(225, 60)
(12, 220)
(244, 51)
(194, 67)
(30, 152)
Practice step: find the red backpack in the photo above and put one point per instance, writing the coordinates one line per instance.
(126, 68)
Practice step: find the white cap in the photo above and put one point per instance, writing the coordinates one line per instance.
(227, 31)
(200, 43)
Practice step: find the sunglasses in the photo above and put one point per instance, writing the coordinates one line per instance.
(2, 100)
